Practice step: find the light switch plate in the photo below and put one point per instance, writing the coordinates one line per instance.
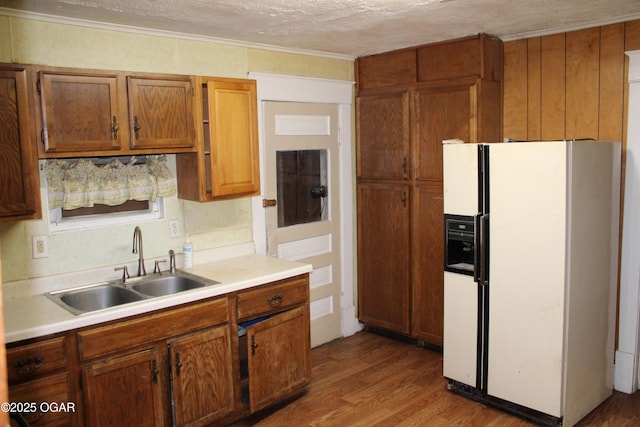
(39, 246)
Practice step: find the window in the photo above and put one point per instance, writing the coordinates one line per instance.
(89, 193)
(105, 216)
(302, 186)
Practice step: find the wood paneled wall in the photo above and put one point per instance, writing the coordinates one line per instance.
(568, 85)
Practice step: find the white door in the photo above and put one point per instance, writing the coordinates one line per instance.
(301, 176)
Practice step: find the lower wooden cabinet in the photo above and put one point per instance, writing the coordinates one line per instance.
(125, 390)
(383, 253)
(172, 367)
(275, 352)
(38, 374)
(186, 381)
(39, 401)
(201, 377)
(278, 357)
(427, 248)
(184, 366)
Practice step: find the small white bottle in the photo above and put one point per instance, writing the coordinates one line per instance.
(187, 249)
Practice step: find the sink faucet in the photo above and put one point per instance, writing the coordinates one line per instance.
(137, 249)
(172, 261)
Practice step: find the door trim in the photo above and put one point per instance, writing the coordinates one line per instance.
(275, 87)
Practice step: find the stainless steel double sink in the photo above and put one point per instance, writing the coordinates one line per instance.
(99, 296)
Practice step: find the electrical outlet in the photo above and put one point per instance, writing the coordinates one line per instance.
(39, 246)
(174, 228)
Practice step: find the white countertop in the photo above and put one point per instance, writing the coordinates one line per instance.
(32, 314)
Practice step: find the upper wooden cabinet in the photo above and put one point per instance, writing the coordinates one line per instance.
(161, 112)
(86, 112)
(19, 181)
(396, 68)
(382, 127)
(466, 110)
(80, 113)
(227, 160)
(477, 56)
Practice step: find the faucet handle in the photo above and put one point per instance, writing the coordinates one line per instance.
(125, 272)
(156, 267)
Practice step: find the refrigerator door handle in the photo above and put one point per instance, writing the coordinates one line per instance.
(477, 243)
(483, 276)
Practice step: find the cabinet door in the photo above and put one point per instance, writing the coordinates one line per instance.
(202, 380)
(80, 113)
(383, 135)
(231, 159)
(383, 253)
(440, 113)
(125, 390)
(161, 113)
(427, 235)
(279, 357)
(39, 395)
(471, 112)
(19, 181)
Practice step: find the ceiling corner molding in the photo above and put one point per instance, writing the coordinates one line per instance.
(36, 16)
(570, 28)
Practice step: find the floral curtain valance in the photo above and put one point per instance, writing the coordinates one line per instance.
(83, 184)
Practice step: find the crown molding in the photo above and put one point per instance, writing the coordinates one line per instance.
(570, 28)
(14, 13)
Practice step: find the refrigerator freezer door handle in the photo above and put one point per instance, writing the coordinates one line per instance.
(477, 242)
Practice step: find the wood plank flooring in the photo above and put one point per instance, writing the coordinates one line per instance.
(372, 380)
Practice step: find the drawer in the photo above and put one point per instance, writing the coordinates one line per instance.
(30, 360)
(151, 327)
(41, 396)
(275, 297)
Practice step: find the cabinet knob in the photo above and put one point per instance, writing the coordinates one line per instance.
(275, 300)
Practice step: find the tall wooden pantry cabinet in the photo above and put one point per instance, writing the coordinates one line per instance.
(407, 102)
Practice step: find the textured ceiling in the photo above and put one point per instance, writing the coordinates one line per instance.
(350, 28)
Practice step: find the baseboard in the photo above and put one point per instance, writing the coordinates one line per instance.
(625, 373)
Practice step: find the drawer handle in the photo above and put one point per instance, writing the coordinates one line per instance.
(275, 300)
(28, 365)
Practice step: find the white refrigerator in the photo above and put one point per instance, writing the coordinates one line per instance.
(531, 258)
